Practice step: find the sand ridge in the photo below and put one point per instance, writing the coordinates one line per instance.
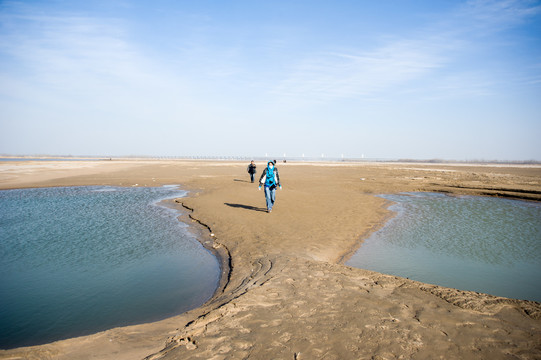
(285, 293)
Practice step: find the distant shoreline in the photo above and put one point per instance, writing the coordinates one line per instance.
(50, 159)
(279, 159)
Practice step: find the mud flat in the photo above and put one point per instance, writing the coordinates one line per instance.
(285, 292)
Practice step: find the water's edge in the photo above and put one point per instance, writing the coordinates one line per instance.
(392, 214)
(204, 235)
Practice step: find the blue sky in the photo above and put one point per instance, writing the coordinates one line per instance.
(384, 79)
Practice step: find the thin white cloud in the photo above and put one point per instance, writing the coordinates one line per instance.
(496, 15)
(65, 46)
(398, 64)
(337, 75)
(67, 60)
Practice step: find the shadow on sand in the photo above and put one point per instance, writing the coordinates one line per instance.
(247, 207)
(239, 180)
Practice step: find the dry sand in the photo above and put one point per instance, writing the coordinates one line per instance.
(285, 293)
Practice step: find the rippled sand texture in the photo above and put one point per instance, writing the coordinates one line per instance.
(284, 292)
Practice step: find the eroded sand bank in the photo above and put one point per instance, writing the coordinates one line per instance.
(285, 293)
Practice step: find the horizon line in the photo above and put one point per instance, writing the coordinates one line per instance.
(268, 158)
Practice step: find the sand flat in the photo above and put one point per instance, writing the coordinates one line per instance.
(285, 292)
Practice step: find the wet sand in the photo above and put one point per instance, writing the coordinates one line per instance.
(285, 293)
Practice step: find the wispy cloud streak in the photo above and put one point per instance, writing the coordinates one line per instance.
(398, 64)
(80, 66)
(496, 15)
(63, 46)
(336, 75)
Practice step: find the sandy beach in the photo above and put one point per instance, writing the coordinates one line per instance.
(284, 292)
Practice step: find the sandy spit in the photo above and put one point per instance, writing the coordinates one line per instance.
(285, 293)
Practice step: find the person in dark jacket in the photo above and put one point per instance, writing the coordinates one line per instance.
(270, 179)
(252, 170)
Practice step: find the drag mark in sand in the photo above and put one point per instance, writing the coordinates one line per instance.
(220, 249)
(218, 308)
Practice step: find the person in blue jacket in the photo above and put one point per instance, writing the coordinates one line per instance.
(270, 179)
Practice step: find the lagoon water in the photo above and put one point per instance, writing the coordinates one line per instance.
(481, 244)
(78, 260)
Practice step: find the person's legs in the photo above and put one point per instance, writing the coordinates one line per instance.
(273, 196)
(252, 176)
(268, 195)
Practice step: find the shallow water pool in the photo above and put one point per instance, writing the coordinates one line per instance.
(482, 244)
(78, 260)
